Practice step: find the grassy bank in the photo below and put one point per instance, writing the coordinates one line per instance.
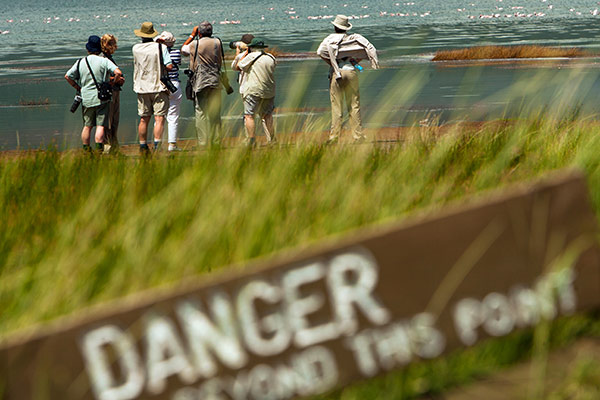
(79, 230)
(507, 52)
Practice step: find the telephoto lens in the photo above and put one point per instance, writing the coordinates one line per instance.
(233, 44)
(76, 103)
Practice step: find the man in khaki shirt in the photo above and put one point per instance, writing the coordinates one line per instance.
(257, 88)
(153, 96)
(205, 61)
(343, 77)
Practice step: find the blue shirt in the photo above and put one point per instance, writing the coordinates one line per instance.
(102, 69)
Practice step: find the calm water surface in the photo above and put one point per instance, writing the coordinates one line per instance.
(41, 40)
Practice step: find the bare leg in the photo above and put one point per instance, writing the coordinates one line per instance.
(85, 134)
(143, 128)
(99, 134)
(250, 125)
(159, 126)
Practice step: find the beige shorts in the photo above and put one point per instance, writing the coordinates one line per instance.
(153, 104)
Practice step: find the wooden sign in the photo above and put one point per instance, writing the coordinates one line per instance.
(308, 323)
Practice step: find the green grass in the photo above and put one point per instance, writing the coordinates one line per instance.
(79, 230)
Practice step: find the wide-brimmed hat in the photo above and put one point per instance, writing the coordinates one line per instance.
(247, 38)
(341, 21)
(93, 44)
(166, 37)
(146, 31)
(257, 43)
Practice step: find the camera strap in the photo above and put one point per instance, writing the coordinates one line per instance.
(91, 73)
(78, 73)
(196, 54)
(162, 61)
(222, 54)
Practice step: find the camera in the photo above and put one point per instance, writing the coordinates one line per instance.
(168, 84)
(188, 72)
(76, 102)
(237, 43)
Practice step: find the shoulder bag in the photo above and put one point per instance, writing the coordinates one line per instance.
(104, 88)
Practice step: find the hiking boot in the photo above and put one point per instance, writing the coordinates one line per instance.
(144, 150)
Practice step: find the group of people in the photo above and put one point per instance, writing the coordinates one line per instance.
(98, 80)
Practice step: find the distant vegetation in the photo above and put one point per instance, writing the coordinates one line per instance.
(34, 102)
(504, 52)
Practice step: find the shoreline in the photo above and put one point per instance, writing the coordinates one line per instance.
(386, 136)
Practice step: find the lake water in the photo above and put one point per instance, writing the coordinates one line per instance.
(41, 40)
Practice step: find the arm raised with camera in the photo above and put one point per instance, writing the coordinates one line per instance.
(185, 48)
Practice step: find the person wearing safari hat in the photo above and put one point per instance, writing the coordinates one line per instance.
(153, 96)
(83, 76)
(257, 88)
(343, 75)
(168, 40)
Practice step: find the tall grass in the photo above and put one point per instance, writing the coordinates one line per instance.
(78, 230)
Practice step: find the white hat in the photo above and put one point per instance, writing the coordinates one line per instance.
(341, 21)
(166, 37)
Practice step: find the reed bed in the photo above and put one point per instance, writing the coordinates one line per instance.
(507, 52)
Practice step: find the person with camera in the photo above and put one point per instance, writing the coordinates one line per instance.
(108, 43)
(257, 87)
(89, 76)
(168, 40)
(343, 52)
(206, 61)
(150, 60)
(240, 47)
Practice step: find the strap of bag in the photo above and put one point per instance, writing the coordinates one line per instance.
(196, 52)
(162, 61)
(222, 54)
(262, 53)
(91, 73)
(78, 73)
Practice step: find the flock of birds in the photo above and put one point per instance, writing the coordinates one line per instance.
(499, 12)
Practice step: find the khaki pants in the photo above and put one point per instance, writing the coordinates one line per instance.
(110, 132)
(208, 116)
(345, 88)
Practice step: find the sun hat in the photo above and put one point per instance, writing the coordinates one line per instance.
(93, 44)
(341, 21)
(166, 37)
(257, 42)
(247, 38)
(146, 31)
